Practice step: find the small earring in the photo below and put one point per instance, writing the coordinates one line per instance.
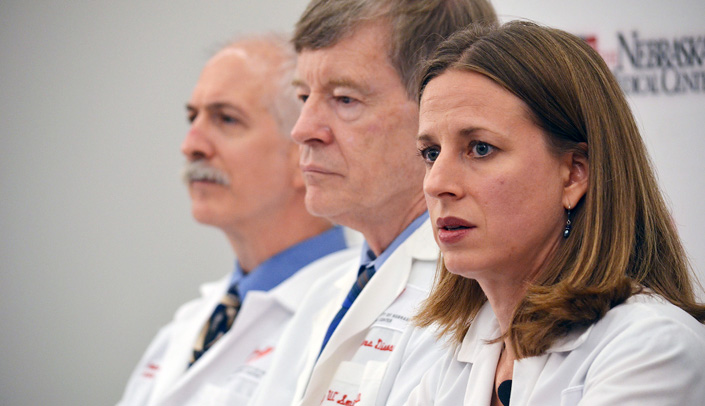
(566, 231)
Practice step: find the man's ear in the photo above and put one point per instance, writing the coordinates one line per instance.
(576, 175)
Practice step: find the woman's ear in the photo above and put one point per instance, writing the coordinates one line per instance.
(577, 174)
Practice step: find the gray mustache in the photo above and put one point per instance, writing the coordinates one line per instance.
(199, 170)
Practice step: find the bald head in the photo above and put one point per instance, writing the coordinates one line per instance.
(271, 61)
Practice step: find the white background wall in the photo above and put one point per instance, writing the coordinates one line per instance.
(97, 246)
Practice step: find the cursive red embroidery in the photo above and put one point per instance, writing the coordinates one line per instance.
(257, 354)
(382, 346)
(344, 401)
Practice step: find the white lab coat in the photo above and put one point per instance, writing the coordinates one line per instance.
(645, 352)
(367, 351)
(229, 372)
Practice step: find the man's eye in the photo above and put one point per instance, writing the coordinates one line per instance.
(345, 99)
(430, 154)
(482, 149)
(303, 97)
(228, 119)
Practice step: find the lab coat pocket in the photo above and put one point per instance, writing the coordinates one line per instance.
(571, 396)
(371, 381)
(236, 390)
(345, 387)
(356, 384)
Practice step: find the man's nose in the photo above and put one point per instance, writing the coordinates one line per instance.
(197, 144)
(313, 125)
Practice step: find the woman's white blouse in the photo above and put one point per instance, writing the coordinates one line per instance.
(644, 352)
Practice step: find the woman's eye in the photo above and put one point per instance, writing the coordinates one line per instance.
(430, 154)
(303, 97)
(482, 149)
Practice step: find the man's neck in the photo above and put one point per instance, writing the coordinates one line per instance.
(380, 234)
(254, 246)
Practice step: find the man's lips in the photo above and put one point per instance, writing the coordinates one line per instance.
(452, 229)
(311, 168)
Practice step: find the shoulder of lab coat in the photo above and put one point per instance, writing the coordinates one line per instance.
(137, 391)
(413, 262)
(141, 387)
(645, 351)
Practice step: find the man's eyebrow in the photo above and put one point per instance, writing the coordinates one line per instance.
(218, 106)
(298, 83)
(221, 105)
(339, 82)
(213, 106)
(350, 84)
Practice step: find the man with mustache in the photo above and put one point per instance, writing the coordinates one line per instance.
(243, 178)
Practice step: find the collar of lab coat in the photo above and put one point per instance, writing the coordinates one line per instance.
(291, 292)
(387, 284)
(190, 319)
(485, 328)
(419, 246)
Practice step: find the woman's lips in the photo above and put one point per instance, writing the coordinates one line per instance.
(452, 229)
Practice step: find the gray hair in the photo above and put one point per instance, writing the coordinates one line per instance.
(416, 27)
(282, 103)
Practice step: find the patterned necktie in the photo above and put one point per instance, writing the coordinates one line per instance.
(218, 324)
(364, 276)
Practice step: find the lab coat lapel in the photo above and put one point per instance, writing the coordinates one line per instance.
(528, 371)
(387, 283)
(385, 286)
(322, 364)
(482, 355)
(187, 325)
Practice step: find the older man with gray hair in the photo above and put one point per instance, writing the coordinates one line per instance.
(243, 178)
(357, 131)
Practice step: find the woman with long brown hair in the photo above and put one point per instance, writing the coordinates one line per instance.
(562, 278)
